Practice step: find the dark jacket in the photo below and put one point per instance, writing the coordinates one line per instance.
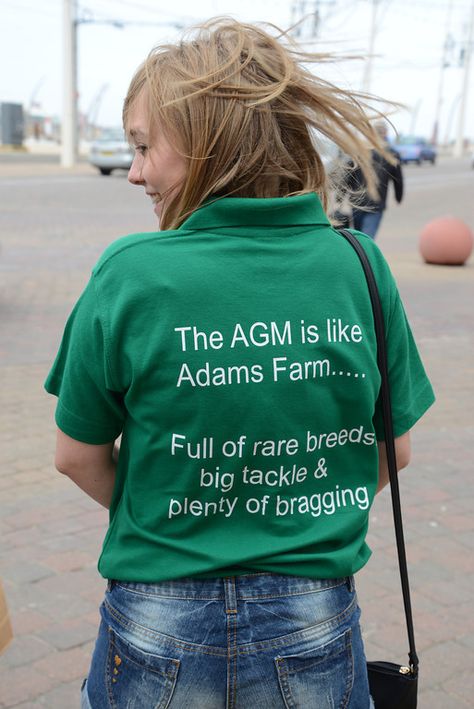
(385, 172)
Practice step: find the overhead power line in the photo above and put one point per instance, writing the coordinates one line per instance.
(150, 10)
(38, 9)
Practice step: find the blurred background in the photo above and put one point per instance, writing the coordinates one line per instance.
(67, 63)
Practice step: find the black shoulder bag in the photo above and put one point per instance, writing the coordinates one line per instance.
(392, 686)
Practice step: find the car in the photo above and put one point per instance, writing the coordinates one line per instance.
(111, 151)
(415, 149)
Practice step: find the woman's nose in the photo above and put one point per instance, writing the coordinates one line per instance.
(135, 174)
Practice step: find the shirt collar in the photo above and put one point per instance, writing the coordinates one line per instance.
(298, 210)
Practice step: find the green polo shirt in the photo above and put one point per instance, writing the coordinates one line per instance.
(236, 355)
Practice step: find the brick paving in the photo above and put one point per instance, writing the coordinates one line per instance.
(53, 225)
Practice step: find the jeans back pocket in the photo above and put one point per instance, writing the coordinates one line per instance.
(136, 679)
(321, 677)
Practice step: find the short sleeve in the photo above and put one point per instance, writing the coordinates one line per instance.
(410, 389)
(88, 409)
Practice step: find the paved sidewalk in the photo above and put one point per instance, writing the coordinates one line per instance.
(53, 227)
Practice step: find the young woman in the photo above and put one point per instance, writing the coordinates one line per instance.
(234, 353)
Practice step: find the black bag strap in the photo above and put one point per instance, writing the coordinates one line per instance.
(389, 439)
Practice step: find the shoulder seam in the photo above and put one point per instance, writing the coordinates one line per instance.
(144, 238)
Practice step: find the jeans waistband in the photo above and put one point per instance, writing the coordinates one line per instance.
(244, 587)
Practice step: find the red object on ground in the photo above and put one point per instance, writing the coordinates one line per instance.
(446, 240)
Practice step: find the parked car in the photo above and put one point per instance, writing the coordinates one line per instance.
(414, 149)
(111, 152)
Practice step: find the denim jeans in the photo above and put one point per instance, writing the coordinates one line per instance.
(367, 222)
(259, 640)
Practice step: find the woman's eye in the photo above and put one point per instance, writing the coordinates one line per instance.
(141, 149)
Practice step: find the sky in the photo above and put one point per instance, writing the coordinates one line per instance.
(406, 64)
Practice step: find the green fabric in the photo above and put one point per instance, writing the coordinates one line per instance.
(237, 355)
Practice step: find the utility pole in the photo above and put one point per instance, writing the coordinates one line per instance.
(367, 77)
(447, 46)
(306, 15)
(69, 117)
(459, 145)
(306, 19)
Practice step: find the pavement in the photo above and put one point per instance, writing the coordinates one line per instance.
(53, 225)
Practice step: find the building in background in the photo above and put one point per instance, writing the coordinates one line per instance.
(12, 124)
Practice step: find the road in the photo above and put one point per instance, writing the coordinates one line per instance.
(53, 226)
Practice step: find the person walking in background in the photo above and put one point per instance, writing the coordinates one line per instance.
(368, 209)
(234, 352)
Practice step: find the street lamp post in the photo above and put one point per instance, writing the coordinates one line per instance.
(459, 145)
(69, 118)
(367, 76)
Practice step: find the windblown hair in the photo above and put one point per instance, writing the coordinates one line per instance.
(245, 111)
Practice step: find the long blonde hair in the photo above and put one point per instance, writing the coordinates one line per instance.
(244, 110)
